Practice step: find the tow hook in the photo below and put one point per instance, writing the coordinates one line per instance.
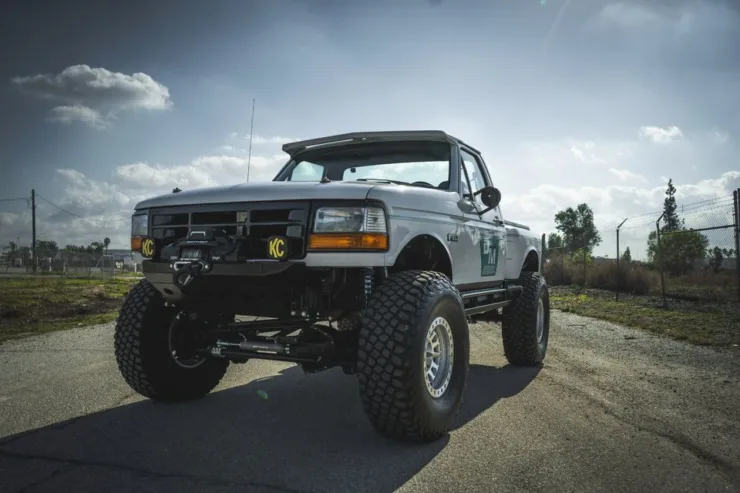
(185, 271)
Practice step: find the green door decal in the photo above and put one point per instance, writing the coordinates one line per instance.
(490, 246)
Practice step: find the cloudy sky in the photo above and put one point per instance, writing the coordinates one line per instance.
(583, 100)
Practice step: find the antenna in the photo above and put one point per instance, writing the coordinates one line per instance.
(251, 132)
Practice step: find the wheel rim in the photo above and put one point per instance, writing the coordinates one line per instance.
(438, 357)
(179, 340)
(540, 320)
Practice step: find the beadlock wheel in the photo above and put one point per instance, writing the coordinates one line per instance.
(439, 357)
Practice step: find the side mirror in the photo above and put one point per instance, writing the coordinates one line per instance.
(490, 196)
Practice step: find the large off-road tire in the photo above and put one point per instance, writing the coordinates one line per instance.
(525, 327)
(409, 308)
(142, 348)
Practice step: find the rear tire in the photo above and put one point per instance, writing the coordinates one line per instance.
(525, 327)
(142, 349)
(405, 316)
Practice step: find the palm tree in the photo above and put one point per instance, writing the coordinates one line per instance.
(106, 242)
(12, 249)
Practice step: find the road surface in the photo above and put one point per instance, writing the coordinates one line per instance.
(612, 409)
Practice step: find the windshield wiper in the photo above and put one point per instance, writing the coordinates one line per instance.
(396, 182)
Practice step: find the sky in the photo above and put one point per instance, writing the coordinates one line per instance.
(597, 101)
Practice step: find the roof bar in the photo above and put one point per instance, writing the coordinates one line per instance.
(292, 148)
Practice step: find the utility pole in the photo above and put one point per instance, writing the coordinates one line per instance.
(251, 131)
(33, 230)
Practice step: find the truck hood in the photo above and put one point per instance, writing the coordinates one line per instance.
(262, 191)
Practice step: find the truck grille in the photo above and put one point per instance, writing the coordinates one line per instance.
(252, 224)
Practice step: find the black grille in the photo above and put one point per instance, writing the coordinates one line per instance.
(288, 219)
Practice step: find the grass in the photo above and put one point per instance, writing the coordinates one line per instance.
(642, 279)
(35, 305)
(703, 323)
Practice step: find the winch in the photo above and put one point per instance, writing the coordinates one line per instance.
(195, 255)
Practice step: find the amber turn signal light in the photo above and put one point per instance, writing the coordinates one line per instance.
(342, 241)
(136, 243)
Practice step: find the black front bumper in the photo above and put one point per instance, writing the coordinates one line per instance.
(251, 269)
(258, 274)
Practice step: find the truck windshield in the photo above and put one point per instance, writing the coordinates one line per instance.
(411, 163)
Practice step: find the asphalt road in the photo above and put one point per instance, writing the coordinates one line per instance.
(611, 410)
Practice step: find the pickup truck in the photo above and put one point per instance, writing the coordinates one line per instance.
(368, 251)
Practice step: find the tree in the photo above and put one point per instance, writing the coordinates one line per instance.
(12, 249)
(627, 255)
(554, 241)
(106, 242)
(716, 258)
(578, 228)
(679, 248)
(96, 247)
(670, 217)
(47, 248)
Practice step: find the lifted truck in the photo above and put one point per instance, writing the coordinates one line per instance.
(368, 251)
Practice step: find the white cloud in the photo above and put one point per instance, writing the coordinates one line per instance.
(276, 140)
(584, 152)
(8, 219)
(69, 114)
(262, 140)
(660, 135)
(626, 175)
(719, 136)
(710, 187)
(630, 15)
(86, 93)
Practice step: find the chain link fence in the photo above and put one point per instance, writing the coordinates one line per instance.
(18, 260)
(695, 258)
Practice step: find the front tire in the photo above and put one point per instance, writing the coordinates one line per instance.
(525, 327)
(142, 349)
(414, 322)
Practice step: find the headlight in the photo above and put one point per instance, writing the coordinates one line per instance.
(349, 228)
(350, 220)
(139, 229)
(139, 224)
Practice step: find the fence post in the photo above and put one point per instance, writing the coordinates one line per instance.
(660, 258)
(544, 254)
(736, 214)
(619, 272)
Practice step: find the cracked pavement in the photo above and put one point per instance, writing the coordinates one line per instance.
(612, 409)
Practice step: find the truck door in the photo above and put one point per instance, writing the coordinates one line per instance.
(485, 232)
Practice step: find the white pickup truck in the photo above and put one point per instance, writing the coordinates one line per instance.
(368, 251)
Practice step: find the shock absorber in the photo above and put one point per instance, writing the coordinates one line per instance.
(369, 280)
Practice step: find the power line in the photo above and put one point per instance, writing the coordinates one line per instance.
(98, 221)
(60, 208)
(15, 200)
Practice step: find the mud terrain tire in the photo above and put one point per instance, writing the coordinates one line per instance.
(141, 345)
(392, 352)
(524, 344)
